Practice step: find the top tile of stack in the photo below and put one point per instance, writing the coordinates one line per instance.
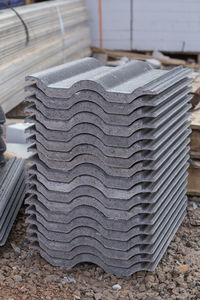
(121, 84)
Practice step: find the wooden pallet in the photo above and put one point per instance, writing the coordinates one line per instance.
(117, 54)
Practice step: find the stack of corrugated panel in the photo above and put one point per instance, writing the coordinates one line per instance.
(12, 188)
(109, 171)
(57, 32)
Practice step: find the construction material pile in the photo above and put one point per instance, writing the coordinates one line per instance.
(53, 32)
(12, 188)
(2, 143)
(109, 171)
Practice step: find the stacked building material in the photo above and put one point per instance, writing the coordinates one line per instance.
(12, 192)
(12, 188)
(2, 143)
(109, 171)
(53, 32)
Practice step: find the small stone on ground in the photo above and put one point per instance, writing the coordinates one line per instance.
(25, 275)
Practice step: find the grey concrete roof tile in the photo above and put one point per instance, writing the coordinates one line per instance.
(109, 140)
(116, 271)
(91, 173)
(109, 192)
(124, 82)
(88, 163)
(110, 256)
(66, 199)
(94, 110)
(63, 104)
(111, 130)
(38, 199)
(109, 171)
(78, 237)
(112, 240)
(63, 150)
(105, 225)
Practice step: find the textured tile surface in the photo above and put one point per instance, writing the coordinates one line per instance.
(109, 166)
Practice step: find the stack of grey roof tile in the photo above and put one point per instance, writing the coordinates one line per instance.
(12, 187)
(109, 169)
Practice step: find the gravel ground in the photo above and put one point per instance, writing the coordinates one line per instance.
(25, 275)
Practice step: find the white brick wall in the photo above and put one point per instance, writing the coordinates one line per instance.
(116, 23)
(166, 25)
